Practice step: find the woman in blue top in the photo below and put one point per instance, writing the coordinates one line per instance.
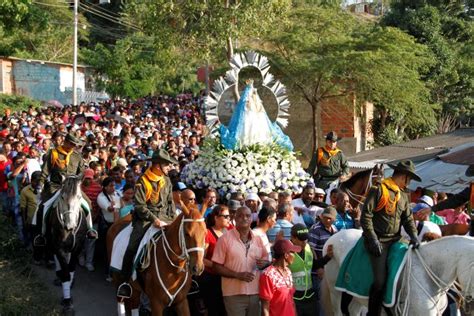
(126, 202)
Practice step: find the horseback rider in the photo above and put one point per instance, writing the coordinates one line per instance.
(328, 163)
(386, 208)
(466, 195)
(58, 164)
(153, 206)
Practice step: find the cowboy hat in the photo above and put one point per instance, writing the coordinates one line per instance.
(73, 139)
(408, 167)
(332, 136)
(162, 155)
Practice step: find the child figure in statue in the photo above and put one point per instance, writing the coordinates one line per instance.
(250, 124)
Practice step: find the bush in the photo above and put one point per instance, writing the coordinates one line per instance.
(21, 292)
(16, 102)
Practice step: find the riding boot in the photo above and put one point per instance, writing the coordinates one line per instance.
(125, 290)
(375, 303)
(40, 240)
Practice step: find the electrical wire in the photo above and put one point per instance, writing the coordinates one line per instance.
(51, 4)
(108, 17)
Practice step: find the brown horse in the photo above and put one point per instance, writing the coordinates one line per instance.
(360, 183)
(454, 229)
(173, 257)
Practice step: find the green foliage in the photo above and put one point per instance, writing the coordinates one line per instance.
(43, 32)
(203, 27)
(130, 70)
(447, 29)
(328, 53)
(16, 103)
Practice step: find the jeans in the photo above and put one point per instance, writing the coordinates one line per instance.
(89, 248)
(317, 293)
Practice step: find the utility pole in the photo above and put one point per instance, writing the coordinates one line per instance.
(74, 63)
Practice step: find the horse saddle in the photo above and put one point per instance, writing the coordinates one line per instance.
(356, 277)
(121, 243)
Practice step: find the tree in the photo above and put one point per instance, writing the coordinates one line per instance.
(328, 53)
(138, 65)
(38, 31)
(446, 27)
(206, 30)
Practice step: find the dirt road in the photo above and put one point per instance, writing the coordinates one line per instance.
(91, 293)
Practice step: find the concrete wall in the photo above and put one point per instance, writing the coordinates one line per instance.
(44, 81)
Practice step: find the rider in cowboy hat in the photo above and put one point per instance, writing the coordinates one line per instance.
(386, 208)
(153, 206)
(58, 164)
(466, 195)
(328, 163)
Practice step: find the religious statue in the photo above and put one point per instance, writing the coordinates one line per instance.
(251, 125)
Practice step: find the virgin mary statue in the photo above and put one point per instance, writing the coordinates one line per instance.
(251, 125)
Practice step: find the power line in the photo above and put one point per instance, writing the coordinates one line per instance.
(100, 8)
(108, 17)
(51, 4)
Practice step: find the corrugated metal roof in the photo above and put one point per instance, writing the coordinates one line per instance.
(440, 176)
(463, 156)
(417, 150)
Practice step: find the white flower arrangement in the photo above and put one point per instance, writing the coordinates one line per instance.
(256, 168)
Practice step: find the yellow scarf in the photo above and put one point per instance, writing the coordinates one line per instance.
(385, 201)
(325, 161)
(61, 163)
(153, 174)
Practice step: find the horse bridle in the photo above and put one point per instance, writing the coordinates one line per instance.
(355, 197)
(184, 256)
(61, 221)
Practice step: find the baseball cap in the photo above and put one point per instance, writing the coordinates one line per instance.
(89, 174)
(319, 191)
(252, 196)
(300, 231)
(330, 212)
(284, 246)
(427, 200)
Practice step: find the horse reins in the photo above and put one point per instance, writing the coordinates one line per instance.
(435, 279)
(355, 197)
(183, 257)
(61, 221)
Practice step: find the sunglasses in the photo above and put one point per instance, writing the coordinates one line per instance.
(225, 216)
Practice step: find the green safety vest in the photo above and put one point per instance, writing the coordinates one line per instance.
(301, 273)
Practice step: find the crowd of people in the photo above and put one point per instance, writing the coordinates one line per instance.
(264, 252)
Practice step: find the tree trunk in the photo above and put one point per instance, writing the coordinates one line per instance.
(230, 53)
(315, 111)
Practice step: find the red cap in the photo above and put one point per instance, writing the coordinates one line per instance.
(283, 246)
(89, 174)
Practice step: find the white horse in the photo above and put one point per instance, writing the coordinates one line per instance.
(436, 267)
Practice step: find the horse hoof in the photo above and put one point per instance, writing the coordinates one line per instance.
(68, 307)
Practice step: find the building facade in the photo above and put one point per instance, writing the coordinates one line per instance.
(44, 80)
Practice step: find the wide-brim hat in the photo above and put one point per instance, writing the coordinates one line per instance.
(470, 171)
(162, 155)
(332, 136)
(73, 139)
(408, 167)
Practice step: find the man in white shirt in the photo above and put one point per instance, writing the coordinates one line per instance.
(303, 205)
